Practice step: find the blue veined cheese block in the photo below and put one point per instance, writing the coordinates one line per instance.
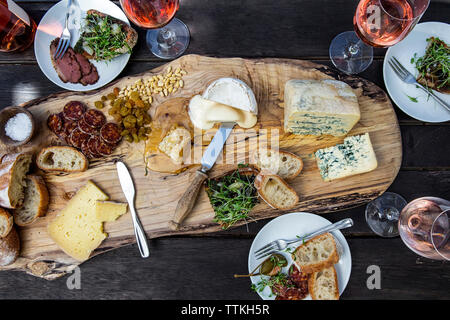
(320, 107)
(354, 156)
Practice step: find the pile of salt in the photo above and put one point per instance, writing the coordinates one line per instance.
(18, 128)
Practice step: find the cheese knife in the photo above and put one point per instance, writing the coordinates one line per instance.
(187, 200)
(126, 182)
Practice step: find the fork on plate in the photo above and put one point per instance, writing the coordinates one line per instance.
(64, 39)
(408, 78)
(282, 244)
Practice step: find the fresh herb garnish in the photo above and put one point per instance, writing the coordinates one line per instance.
(413, 99)
(102, 38)
(232, 197)
(434, 66)
(280, 279)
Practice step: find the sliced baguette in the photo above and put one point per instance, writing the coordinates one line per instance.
(316, 254)
(6, 223)
(275, 191)
(9, 248)
(36, 201)
(323, 284)
(282, 163)
(62, 159)
(13, 168)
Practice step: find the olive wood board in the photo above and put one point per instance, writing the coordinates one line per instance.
(158, 193)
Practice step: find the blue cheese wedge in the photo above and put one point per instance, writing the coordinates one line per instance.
(354, 156)
(320, 107)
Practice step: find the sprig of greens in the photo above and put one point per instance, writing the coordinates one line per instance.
(280, 279)
(232, 197)
(102, 38)
(435, 64)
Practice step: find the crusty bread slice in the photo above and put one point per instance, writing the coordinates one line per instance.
(282, 163)
(316, 254)
(36, 201)
(323, 284)
(6, 223)
(275, 191)
(13, 168)
(62, 159)
(9, 248)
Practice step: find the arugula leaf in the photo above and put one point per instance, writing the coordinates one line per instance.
(412, 99)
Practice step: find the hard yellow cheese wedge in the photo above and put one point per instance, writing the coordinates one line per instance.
(76, 229)
(109, 210)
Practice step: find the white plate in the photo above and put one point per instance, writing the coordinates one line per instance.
(51, 27)
(289, 226)
(426, 109)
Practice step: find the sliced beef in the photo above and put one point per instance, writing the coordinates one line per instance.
(73, 67)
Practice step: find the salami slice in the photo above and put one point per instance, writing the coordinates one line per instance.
(77, 137)
(86, 128)
(110, 133)
(92, 146)
(69, 126)
(94, 118)
(104, 148)
(74, 110)
(55, 123)
(85, 149)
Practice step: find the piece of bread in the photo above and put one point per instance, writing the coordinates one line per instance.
(62, 159)
(6, 223)
(275, 191)
(282, 163)
(13, 168)
(316, 254)
(9, 248)
(35, 204)
(323, 284)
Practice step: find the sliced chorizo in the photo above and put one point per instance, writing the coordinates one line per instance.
(94, 118)
(104, 148)
(55, 123)
(86, 128)
(77, 137)
(74, 110)
(110, 133)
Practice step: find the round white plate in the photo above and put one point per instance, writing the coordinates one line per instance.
(426, 109)
(289, 226)
(51, 27)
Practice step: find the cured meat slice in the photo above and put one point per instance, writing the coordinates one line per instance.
(92, 146)
(110, 133)
(69, 126)
(94, 118)
(85, 150)
(55, 123)
(74, 110)
(86, 128)
(104, 148)
(77, 137)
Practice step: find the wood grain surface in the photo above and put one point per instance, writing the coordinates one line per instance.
(158, 193)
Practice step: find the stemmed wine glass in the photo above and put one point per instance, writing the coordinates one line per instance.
(377, 23)
(167, 37)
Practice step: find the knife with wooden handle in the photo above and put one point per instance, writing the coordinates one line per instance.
(187, 200)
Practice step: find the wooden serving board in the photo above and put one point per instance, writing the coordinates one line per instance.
(158, 193)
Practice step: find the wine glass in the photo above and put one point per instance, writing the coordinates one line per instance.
(167, 37)
(424, 227)
(377, 23)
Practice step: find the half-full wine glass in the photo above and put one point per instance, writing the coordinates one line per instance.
(167, 37)
(377, 23)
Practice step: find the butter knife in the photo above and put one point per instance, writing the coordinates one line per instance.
(126, 182)
(187, 200)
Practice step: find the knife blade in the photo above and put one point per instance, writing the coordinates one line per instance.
(126, 182)
(187, 200)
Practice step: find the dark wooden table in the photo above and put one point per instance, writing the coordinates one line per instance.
(202, 267)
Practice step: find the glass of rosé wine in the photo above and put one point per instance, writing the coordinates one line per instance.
(377, 23)
(167, 37)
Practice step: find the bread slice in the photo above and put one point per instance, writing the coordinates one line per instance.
(316, 254)
(9, 248)
(62, 159)
(6, 223)
(36, 201)
(275, 191)
(282, 163)
(323, 284)
(13, 168)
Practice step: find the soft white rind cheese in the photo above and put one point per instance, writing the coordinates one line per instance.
(354, 156)
(320, 107)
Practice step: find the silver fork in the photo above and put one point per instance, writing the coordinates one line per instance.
(407, 77)
(282, 244)
(64, 39)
